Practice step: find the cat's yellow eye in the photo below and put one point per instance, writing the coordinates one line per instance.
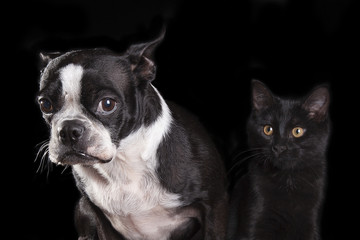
(268, 130)
(297, 132)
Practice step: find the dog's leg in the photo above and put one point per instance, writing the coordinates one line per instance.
(215, 220)
(85, 220)
(91, 223)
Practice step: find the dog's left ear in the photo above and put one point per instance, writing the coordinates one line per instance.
(141, 57)
(45, 58)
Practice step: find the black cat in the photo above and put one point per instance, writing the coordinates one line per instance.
(281, 195)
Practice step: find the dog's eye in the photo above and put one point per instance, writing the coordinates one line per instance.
(46, 106)
(106, 106)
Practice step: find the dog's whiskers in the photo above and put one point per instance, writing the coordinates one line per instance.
(65, 168)
(43, 152)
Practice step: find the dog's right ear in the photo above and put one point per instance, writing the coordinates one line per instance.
(45, 58)
(141, 57)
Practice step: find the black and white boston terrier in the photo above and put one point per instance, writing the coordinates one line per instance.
(146, 168)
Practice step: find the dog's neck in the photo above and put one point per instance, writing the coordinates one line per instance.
(134, 161)
(137, 152)
(143, 143)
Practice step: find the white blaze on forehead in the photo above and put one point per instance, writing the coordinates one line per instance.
(70, 77)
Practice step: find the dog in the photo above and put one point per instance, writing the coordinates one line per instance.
(145, 167)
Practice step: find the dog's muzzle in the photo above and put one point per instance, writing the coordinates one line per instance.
(74, 140)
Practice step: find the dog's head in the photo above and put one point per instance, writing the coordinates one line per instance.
(92, 99)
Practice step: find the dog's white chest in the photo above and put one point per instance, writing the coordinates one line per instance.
(154, 224)
(134, 202)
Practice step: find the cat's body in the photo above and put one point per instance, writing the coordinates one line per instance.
(280, 196)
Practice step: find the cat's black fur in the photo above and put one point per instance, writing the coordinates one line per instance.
(281, 194)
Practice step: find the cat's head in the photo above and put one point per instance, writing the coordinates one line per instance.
(288, 133)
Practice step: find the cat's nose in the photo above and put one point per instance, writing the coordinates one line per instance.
(277, 149)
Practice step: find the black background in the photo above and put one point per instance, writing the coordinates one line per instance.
(211, 51)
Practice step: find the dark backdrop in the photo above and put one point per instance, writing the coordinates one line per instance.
(211, 51)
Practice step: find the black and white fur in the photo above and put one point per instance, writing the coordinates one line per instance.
(145, 167)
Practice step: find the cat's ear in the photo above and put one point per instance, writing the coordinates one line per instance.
(317, 103)
(261, 96)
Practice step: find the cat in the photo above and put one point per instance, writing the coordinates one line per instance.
(281, 194)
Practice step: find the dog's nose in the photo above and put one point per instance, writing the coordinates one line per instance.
(71, 132)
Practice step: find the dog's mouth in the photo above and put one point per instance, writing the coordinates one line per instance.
(76, 157)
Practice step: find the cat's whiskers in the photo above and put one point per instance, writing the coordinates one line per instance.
(266, 159)
(255, 154)
(247, 151)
